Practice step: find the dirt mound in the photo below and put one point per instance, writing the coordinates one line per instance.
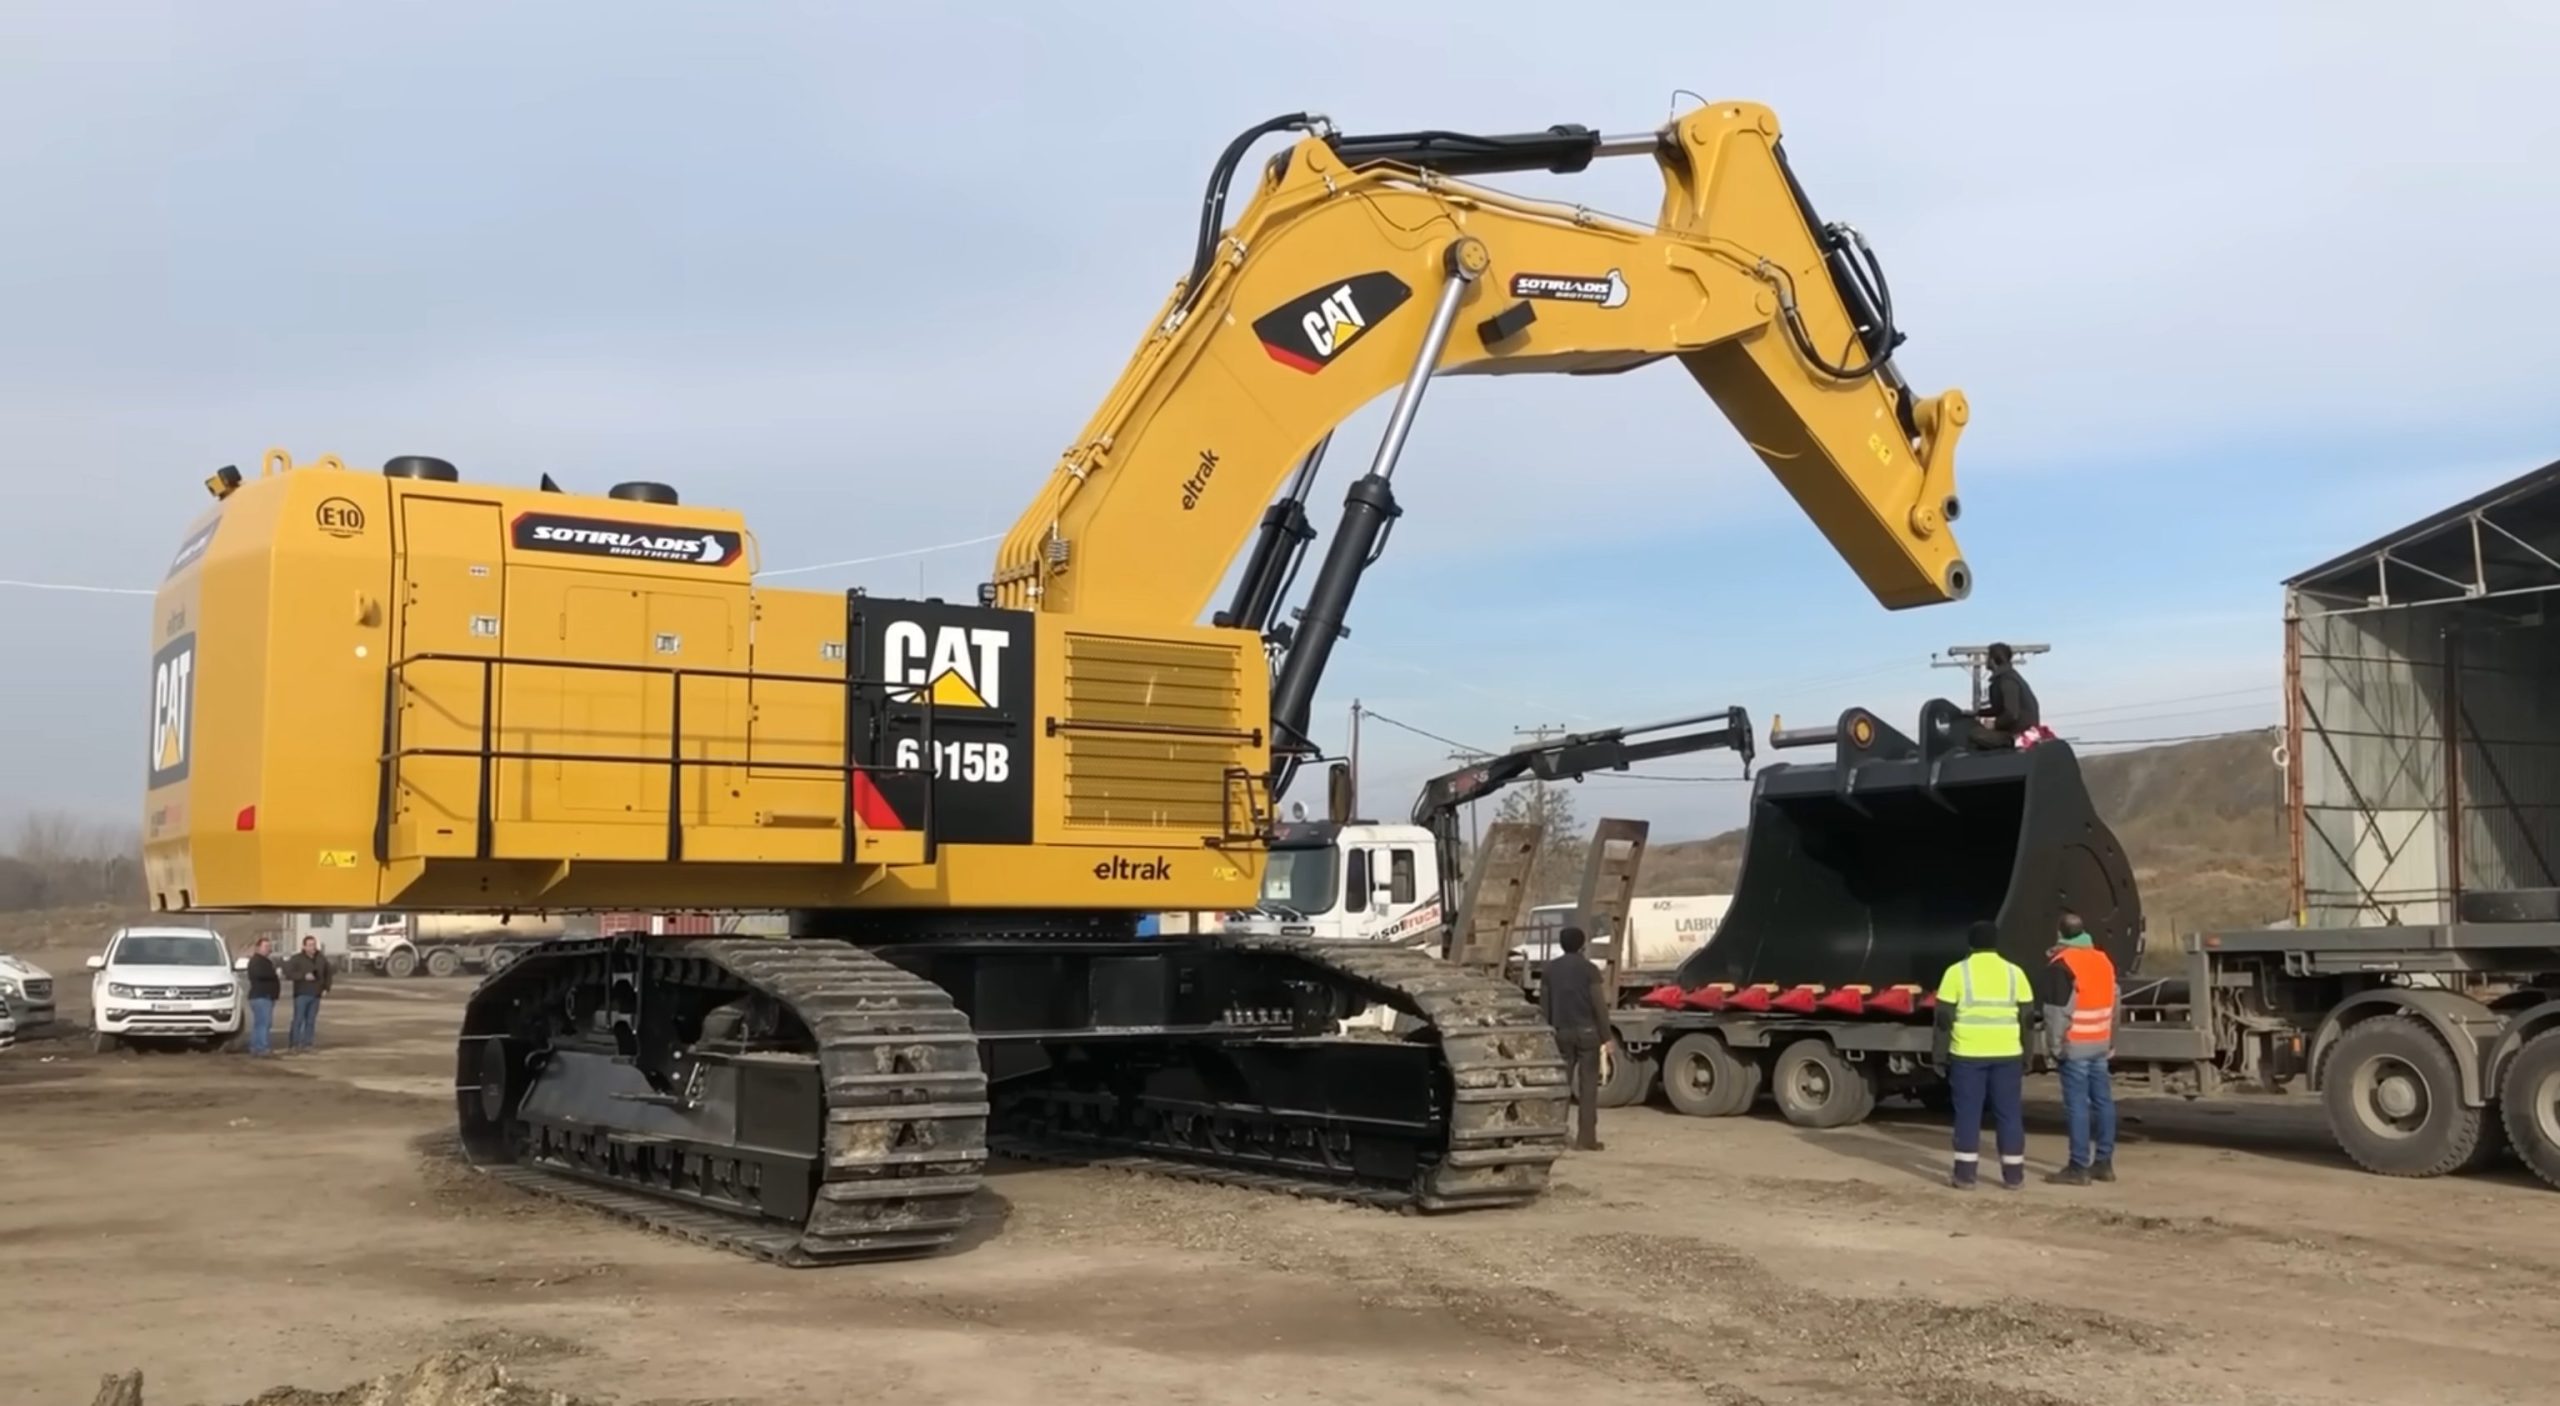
(446, 1379)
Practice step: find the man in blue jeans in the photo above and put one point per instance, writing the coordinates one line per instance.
(1985, 1004)
(264, 987)
(309, 972)
(2079, 1032)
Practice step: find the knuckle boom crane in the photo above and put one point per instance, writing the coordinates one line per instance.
(401, 690)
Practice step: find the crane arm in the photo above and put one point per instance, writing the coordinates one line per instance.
(1568, 758)
(1362, 263)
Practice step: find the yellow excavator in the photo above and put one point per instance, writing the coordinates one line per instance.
(404, 689)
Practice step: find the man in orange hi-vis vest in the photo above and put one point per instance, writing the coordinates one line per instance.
(2079, 1032)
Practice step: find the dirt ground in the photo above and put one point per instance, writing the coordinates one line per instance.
(229, 1226)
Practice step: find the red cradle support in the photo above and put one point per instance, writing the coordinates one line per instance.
(1848, 1000)
(1661, 998)
(1708, 998)
(1796, 1000)
(1894, 1000)
(1753, 998)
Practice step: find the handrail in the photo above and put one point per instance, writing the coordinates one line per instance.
(488, 754)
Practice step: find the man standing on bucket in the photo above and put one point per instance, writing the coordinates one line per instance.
(2079, 1032)
(1984, 1004)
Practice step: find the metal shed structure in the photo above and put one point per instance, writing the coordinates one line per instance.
(2422, 713)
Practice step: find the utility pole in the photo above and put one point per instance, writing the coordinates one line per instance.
(1538, 789)
(1355, 760)
(1975, 659)
(1475, 827)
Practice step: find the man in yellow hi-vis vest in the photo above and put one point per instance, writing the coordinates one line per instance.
(1984, 1004)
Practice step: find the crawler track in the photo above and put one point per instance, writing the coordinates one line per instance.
(1497, 1122)
(907, 1119)
(903, 1141)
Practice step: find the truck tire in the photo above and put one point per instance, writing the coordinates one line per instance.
(443, 961)
(1704, 1078)
(2394, 1099)
(1625, 1079)
(402, 963)
(2529, 1105)
(501, 958)
(1815, 1087)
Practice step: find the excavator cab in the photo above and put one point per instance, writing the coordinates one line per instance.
(1867, 871)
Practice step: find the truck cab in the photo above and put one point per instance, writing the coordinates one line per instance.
(1357, 882)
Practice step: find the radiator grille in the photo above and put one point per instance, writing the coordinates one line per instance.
(1152, 727)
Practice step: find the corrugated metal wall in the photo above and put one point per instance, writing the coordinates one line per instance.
(2375, 705)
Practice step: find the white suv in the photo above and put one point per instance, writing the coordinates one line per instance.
(164, 984)
(26, 992)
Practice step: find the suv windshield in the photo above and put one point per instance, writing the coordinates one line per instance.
(1300, 880)
(168, 951)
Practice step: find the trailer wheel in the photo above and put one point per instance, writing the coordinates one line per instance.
(1816, 1088)
(1704, 1078)
(443, 961)
(501, 958)
(401, 963)
(1625, 1079)
(2394, 1100)
(2529, 1100)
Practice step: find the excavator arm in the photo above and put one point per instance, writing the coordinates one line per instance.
(1364, 264)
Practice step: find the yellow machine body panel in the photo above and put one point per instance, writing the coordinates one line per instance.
(400, 692)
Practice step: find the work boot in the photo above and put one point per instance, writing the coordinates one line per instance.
(2070, 1176)
(2104, 1169)
(1594, 1145)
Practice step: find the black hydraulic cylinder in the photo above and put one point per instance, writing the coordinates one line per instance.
(1562, 149)
(1285, 530)
(1366, 511)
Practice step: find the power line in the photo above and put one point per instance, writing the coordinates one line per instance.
(884, 556)
(78, 589)
(1374, 715)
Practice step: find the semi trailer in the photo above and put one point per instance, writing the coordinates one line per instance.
(2430, 1049)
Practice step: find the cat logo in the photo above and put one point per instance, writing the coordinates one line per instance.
(956, 665)
(1308, 331)
(173, 691)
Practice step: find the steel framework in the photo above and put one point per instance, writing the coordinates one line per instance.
(2422, 713)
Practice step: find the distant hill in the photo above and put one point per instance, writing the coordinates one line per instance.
(2203, 822)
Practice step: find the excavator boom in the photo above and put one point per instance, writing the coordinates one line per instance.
(1338, 282)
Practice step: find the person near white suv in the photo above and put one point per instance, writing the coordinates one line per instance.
(156, 983)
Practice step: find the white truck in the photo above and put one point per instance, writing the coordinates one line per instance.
(164, 984)
(1359, 882)
(443, 944)
(1661, 932)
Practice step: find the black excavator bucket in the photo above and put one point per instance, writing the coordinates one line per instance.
(1868, 870)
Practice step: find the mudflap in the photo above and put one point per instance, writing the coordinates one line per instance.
(1868, 870)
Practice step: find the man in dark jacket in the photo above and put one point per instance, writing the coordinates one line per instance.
(1576, 1007)
(2011, 708)
(309, 972)
(264, 988)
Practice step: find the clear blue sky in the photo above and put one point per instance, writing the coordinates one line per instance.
(2231, 288)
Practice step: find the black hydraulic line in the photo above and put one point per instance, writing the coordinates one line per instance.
(1213, 205)
(1858, 277)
